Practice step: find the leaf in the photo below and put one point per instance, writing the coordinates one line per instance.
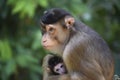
(37, 40)
(11, 1)
(36, 68)
(21, 60)
(19, 6)
(25, 60)
(30, 9)
(5, 50)
(43, 3)
(8, 50)
(10, 67)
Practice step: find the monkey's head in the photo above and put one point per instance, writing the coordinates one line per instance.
(56, 25)
(56, 66)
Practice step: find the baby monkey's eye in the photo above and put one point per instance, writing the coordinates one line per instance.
(61, 66)
(57, 69)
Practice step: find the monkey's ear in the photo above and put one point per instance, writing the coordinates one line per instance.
(69, 21)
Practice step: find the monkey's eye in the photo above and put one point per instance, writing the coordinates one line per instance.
(57, 69)
(51, 30)
(61, 66)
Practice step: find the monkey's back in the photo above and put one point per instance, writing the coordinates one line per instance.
(96, 49)
(101, 53)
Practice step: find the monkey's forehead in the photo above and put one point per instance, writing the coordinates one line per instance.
(53, 15)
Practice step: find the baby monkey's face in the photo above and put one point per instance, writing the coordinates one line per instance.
(60, 68)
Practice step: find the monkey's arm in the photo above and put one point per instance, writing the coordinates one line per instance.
(46, 72)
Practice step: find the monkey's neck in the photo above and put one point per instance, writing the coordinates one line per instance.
(72, 32)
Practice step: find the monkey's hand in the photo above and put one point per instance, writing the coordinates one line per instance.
(46, 70)
(59, 77)
(45, 62)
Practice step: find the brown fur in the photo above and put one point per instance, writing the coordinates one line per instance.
(85, 53)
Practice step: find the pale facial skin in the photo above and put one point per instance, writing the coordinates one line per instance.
(60, 68)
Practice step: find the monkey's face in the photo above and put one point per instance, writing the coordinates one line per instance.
(54, 37)
(60, 68)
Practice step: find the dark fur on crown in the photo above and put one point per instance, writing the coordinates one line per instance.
(53, 15)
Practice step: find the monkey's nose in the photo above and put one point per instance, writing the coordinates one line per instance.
(44, 41)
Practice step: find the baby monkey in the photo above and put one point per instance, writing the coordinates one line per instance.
(56, 66)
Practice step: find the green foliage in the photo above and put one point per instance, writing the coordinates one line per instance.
(5, 50)
(37, 40)
(20, 50)
(106, 17)
(26, 7)
(10, 67)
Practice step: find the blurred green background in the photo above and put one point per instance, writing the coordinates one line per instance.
(21, 53)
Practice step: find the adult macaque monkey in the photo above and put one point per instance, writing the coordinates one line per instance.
(85, 53)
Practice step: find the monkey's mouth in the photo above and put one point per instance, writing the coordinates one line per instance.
(47, 47)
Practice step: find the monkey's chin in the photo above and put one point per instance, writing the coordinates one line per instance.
(54, 49)
(49, 48)
(46, 47)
